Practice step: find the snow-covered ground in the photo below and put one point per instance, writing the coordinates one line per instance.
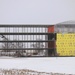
(51, 64)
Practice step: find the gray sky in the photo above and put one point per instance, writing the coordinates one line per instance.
(36, 11)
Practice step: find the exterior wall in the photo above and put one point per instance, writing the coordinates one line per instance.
(51, 37)
(51, 29)
(66, 44)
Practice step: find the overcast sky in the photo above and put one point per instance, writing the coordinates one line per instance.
(36, 11)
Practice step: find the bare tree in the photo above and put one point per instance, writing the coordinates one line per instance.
(7, 46)
(39, 45)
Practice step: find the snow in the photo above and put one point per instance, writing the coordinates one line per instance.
(44, 64)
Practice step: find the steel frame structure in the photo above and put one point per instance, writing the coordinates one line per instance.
(26, 38)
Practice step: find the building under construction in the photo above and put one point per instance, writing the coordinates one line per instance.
(38, 40)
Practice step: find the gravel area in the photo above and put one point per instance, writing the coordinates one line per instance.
(27, 72)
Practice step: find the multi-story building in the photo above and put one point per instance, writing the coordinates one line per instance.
(38, 40)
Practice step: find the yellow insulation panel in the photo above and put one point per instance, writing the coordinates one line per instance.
(66, 44)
